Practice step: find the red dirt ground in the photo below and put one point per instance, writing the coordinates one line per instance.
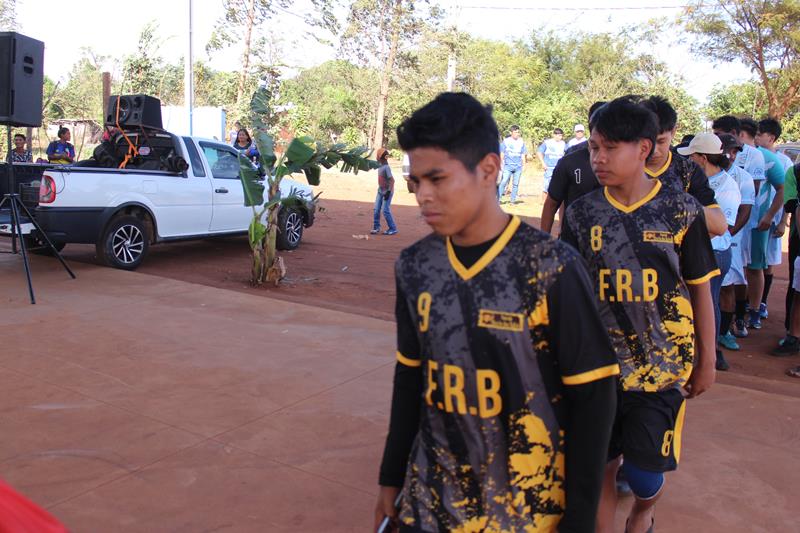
(339, 266)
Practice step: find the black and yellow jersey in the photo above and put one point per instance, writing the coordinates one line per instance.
(497, 343)
(641, 258)
(683, 174)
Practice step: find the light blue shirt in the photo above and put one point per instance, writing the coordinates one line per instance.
(512, 151)
(728, 197)
(552, 150)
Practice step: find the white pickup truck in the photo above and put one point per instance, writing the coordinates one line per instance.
(124, 211)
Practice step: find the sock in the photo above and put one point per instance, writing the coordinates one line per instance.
(767, 285)
(741, 307)
(726, 318)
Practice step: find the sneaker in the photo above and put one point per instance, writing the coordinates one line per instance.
(762, 311)
(374, 231)
(739, 328)
(790, 346)
(728, 342)
(754, 322)
(721, 363)
(390, 232)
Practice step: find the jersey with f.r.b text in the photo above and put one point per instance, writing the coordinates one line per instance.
(641, 258)
(498, 343)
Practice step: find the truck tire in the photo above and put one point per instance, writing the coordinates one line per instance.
(124, 244)
(290, 228)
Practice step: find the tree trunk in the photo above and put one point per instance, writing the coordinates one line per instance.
(248, 33)
(386, 77)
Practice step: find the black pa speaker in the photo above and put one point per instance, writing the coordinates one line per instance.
(21, 80)
(134, 110)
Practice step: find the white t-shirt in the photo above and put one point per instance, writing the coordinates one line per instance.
(727, 194)
(745, 182)
(752, 161)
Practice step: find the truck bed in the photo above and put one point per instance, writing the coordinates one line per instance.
(27, 177)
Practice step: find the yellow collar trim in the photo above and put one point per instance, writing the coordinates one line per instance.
(498, 246)
(633, 207)
(661, 170)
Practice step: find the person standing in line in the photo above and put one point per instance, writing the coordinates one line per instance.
(580, 136)
(512, 155)
(61, 152)
(706, 150)
(504, 386)
(383, 200)
(770, 201)
(751, 161)
(233, 134)
(650, 260)
(735, 276)
(769, 131)
(19, 154)
(549, 153)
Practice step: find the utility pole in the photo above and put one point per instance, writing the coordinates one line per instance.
(188, 76)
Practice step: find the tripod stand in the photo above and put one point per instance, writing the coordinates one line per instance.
(14, 203)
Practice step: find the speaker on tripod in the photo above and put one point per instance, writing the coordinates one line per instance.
(21, 82)
(135, 111)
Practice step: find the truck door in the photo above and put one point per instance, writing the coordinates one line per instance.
(229, 211)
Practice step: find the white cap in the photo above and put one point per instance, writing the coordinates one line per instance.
(703, 143)
(579, 127)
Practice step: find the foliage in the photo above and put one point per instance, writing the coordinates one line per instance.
(8, 15)
(302, 154)
(762, 34)
(747, 99)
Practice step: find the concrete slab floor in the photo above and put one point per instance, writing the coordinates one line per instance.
(136, 403)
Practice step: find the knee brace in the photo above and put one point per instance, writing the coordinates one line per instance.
(644, 484)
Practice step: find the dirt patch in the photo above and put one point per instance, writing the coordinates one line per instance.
(340, 266)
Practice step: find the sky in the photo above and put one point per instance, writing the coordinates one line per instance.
(114, 32)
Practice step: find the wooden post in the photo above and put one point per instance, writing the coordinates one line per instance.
(106, 92)
(29, 139)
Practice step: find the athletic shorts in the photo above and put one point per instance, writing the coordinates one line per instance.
(774, 254)
(647, 429)
(735, 275)
(796, 277)
(758, 249)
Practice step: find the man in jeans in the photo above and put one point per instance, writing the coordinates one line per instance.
(512, 153)
(383, 200)
(549, 153)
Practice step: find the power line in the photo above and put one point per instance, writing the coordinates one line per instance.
(610, 8)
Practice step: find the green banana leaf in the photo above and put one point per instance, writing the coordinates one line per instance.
(251, 182)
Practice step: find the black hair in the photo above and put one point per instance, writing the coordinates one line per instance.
(62, 130)
(624, 120)
(514, 128)
(558, 131)
(749, 126)
(249, 139)
(771, 126)
(720, 160)
(687, 139)
(667, 116)
(455, 122)
(595, 106)
(727, 124)
(20, 135)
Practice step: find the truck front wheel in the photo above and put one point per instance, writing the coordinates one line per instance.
(124, 243)
(290, 228)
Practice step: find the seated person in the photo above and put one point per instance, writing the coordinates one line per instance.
(61, 152)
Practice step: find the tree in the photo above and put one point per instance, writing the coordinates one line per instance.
(763, 34)
(242, 22)
(374, 32)
(302, 154)
(8, 15)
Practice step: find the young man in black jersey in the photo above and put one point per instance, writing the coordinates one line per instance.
(651, 260)
(504, 387)
(572, 178)
(678, 172)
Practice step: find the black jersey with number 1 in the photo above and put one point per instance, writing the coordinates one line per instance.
(498, 343)
(641, 258)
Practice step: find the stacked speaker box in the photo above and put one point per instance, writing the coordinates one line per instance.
(135, 110)
(21, 80)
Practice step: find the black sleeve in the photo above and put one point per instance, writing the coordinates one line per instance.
(699, 187)
(567, 235)
(559, 182)
(577, 334)
(591, 409)
(589, 370)
(698, 263)
(406, 397)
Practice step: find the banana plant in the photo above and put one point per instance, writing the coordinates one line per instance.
(302, 155)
